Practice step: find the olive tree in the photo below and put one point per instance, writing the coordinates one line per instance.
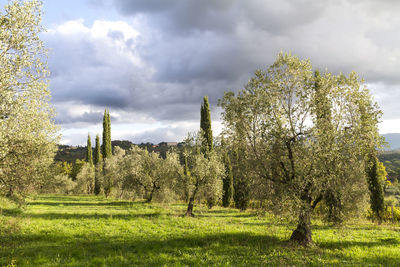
(27, 131)
(112, 175)
(308, 136)
(85, 179)
(150, 175)
(205, 172)
(142, 174)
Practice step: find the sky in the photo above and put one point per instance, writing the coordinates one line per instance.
(151, 62)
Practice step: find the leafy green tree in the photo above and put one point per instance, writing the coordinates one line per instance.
(304, 135)
(112, 170)
(146, 174)
(205, 172)
(186, 176)
(76, 168)
(98, 163)
(85, 179)
(89, 151)
(28, 135)
(376, 178)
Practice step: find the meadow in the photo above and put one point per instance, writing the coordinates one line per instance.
(56, 230)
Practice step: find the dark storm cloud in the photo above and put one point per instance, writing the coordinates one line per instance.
(187, 49)
(186, 17)
(86, 117)
(216, 40)
(89, 71)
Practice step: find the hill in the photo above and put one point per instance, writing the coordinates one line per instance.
(72, 153)
(393, 140)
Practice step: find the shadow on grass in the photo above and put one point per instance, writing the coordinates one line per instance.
(216, 249)
(11, 212)
(188, 250)
(91, 216)
(69, 198)
(86, 203)
(225, 213)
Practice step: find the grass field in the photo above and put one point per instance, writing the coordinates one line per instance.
(93, 231)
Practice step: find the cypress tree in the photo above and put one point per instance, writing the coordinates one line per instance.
(109, 146)
(205, 126)
(106, 147)
(227, 189)
(97, 151)
(98, 161)
(207, 138)
(375, 185)
(89, 151)
(241, 181)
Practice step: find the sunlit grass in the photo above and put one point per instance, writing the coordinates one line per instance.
(94, 231)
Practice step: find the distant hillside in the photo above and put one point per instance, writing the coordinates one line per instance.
(72, 153)
(393, 139)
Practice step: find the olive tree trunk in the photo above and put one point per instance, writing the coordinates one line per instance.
(302, 234)
(189, 211)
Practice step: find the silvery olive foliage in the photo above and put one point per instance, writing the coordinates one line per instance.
(112, 171)
(140, 174)
(205, 172)
(306, 135)
(59, 184)
(27, 131)
(85, 179)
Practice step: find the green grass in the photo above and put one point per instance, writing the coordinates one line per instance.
(93, 231)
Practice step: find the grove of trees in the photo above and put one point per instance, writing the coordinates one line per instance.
(296, 141)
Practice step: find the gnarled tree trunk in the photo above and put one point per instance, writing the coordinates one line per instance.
(302, 234)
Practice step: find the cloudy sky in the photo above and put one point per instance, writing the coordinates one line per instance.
(151, 62)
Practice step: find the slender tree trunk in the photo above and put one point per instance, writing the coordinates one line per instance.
(150, 196)
(210, 202)
(302, 234)
(10, 191)
(189, 211)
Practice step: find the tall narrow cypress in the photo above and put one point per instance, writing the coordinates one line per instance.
(98, 161)
(97, 151)
(107, 152)
(89, 151)
(375, 185)
(205, 126)
(227, 180)
(207, 138)
(106, 147)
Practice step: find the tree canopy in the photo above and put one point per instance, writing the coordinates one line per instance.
(307, 136)
(27, 131)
